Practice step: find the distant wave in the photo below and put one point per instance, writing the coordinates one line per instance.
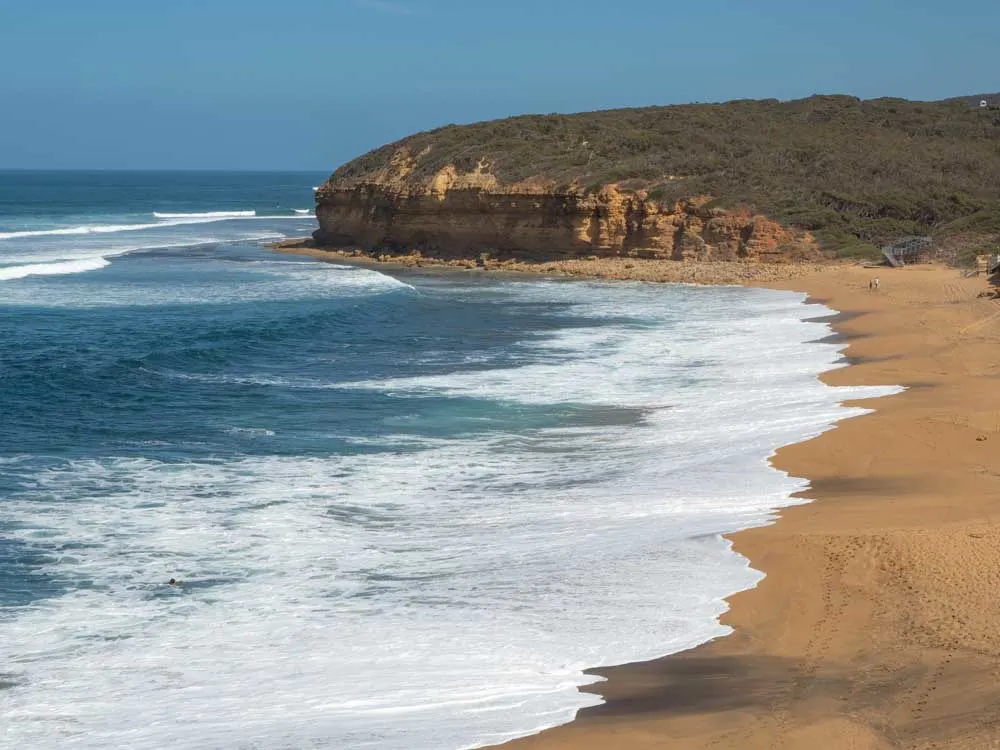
(110, 228)
(52, 269)
(206, 215)
(96, 229)
(304, 211)
(86, 229)
(251, 431)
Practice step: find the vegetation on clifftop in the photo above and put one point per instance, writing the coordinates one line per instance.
(856, 173)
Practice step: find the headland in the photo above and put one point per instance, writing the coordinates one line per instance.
(877, 623)
(760, 181)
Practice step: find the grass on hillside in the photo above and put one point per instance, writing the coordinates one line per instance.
(857, 173)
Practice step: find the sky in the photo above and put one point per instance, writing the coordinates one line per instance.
(309, 84)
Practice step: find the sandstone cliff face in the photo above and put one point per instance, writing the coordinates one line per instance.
(461, 215)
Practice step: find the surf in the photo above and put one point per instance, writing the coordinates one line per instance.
(106, 228)
(166, 221)
(403, 453)
(205, 215)
(10, 273)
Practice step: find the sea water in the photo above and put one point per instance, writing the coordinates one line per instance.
(406, 511)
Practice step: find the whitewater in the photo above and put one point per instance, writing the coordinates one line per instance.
(407, 512)
(43, 251)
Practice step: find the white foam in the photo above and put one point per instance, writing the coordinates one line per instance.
(8, 273)
(206, 215)
(78, 249)
(304, 211)
(181, 220)
(448, 597)
(439, 652)
(623, 362)
(259, 281)
(95, 229)
(251, 431)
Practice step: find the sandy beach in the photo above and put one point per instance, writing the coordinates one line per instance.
(878, 624)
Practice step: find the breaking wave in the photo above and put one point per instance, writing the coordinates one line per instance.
(100, 229)
(166, 220)
(52, 269)
(392, 537)
(206, 215)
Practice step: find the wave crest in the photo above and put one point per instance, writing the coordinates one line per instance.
(205, 215)
(91, 229)
(165, 222)
(52, 269)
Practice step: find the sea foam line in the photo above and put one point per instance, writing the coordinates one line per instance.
(113, 228)
(53, 269)
(206, 215)
(65, 266)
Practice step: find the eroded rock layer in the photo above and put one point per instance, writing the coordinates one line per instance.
(461, 215)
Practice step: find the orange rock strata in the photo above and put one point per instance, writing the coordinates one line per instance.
(461, 215)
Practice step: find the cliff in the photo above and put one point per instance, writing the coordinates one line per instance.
(461, 220)
(763, 180)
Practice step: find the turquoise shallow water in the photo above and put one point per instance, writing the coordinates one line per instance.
(408, 511)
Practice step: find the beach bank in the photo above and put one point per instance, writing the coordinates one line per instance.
(877, 623)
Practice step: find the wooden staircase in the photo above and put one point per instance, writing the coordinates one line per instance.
(988, 264)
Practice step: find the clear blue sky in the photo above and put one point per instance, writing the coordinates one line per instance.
(308, 84)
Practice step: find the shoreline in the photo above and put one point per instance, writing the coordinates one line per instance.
(874, 624)
(741, 273)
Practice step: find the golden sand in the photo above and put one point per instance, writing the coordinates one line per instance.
(878, 624)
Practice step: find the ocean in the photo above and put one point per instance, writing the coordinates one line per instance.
(407, 511)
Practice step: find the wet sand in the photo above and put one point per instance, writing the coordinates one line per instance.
(878, 624)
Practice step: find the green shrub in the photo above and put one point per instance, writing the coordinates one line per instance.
(859, 251)
(985, 220)
(966, 257)
(857, 173)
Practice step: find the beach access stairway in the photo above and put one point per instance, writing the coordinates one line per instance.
(987, 265)
(906, 250)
